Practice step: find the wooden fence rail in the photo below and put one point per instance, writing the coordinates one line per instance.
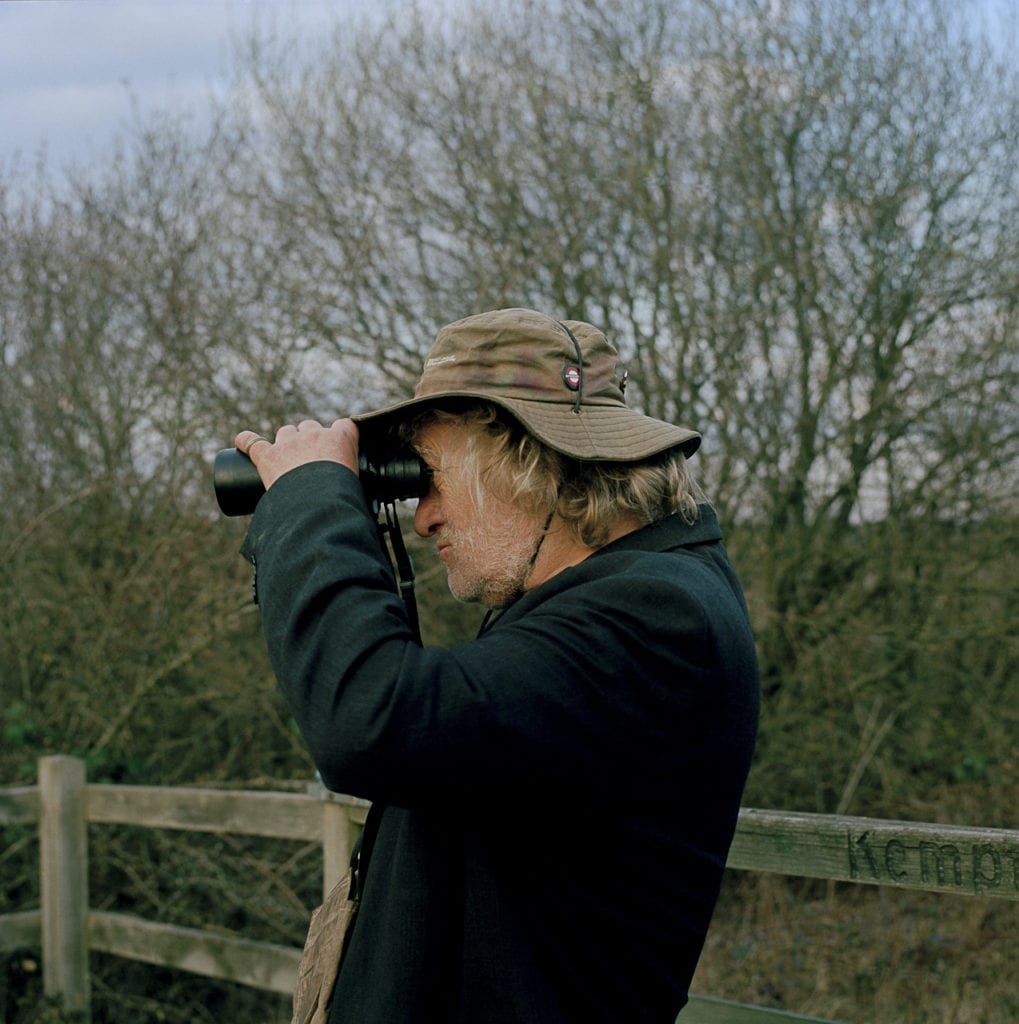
(934, 858)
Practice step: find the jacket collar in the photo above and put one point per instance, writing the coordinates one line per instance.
(670, 533)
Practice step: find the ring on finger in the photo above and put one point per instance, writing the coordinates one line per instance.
(254, 441)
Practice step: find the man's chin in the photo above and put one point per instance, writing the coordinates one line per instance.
(490, 596)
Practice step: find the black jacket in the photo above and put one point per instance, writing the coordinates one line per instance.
(560, 793)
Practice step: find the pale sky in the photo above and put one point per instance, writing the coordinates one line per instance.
(69, 69)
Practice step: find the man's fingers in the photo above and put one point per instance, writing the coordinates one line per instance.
(294, 446)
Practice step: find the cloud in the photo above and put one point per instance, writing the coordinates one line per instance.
(69, 71)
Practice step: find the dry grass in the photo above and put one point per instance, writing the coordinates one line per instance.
(863, 954)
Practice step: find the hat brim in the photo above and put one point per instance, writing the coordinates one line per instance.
(595, 433)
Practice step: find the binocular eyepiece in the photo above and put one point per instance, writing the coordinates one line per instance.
(395, 478)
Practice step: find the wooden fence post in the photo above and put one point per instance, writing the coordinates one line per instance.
(337, 844)
(63, 870)
(342, 820)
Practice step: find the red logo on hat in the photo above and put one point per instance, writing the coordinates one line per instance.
(571, 377)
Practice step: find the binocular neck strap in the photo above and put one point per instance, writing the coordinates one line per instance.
(402, 564)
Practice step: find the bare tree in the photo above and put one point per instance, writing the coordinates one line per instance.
(133, 341)
(797, 221)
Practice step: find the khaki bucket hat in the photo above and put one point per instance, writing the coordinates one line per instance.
(558, 378)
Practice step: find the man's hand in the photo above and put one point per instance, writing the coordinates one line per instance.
(309, 441)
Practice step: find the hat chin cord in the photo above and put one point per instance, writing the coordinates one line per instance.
(580, 371)
(492, 613)
(537, 547)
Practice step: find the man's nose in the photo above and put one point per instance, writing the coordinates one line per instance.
(428, 516)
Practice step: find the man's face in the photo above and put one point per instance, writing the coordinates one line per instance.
(487, 550)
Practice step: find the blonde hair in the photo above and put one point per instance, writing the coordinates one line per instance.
(500, 456)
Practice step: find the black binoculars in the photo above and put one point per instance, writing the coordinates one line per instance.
(393, 478)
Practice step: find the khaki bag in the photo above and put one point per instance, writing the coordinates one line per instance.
(323, 950)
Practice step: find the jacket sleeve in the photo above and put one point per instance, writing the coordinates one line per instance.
(588, 689)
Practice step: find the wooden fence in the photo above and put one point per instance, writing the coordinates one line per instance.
(935, 858)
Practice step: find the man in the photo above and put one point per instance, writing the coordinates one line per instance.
(560, 793)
